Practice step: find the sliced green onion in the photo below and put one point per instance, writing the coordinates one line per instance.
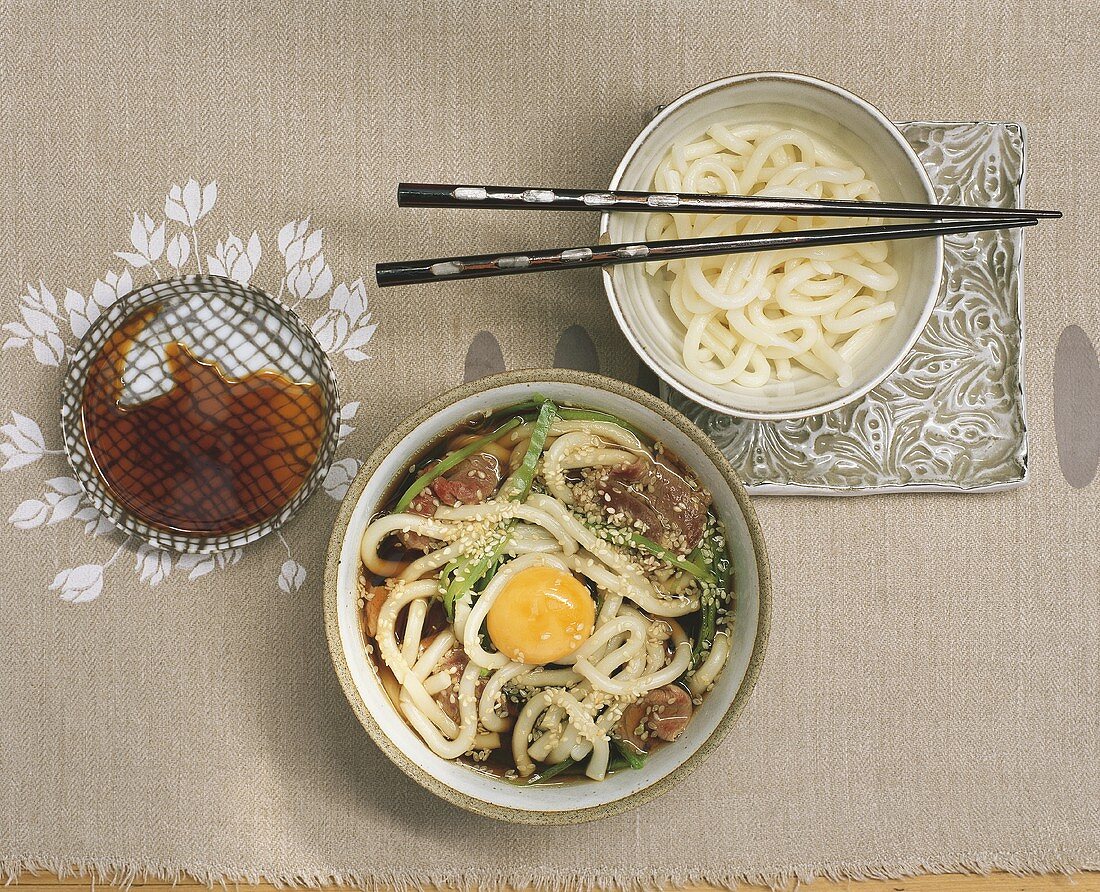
(469, 572)
(552, 771)
(630, 755)
(708, 621)
(446, 576)
(699, 572)
(531, 405)
(618, 536)
(459, 455)
(525, 473)
(567, 414)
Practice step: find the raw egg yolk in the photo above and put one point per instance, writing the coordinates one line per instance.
(541, 615)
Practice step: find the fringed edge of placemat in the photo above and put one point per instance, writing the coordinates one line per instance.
(117, 872)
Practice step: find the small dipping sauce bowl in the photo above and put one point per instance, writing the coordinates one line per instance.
(199, 414)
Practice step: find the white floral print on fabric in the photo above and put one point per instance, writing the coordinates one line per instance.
(49, 327)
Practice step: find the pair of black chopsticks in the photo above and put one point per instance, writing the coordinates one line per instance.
(950, 219)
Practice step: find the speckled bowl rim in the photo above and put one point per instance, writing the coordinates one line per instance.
(639, 344)
(332, 624)
(79, 452)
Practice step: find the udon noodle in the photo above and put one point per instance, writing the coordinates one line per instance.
(750, 319)
(552, 590)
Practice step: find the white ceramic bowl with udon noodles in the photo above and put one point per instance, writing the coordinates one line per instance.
(579, 799)
(837, 119)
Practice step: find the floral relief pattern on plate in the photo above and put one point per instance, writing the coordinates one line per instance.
(951, 418)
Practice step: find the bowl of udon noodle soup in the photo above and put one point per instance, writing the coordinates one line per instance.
(547, 596)
(778, 334)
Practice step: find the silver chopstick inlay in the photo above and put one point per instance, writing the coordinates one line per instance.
(470, 193)
(539, 196)
(517, 262)
(447, 268)
(663, 201)
(576, 254)
(633, 251)
(598, 199)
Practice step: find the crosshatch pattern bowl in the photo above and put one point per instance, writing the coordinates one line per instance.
(834, 115)
(582, 800)
(224, 321)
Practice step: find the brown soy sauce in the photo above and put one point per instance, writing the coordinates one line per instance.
(214, 454)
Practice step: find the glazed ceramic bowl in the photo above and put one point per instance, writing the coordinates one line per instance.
(835, 116)
(579, 800)
(240, 329)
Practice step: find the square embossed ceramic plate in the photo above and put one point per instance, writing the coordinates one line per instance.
(951, 418)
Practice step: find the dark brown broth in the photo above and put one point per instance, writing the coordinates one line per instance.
(214, 454)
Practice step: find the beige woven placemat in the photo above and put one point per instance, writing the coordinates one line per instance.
(931, 695)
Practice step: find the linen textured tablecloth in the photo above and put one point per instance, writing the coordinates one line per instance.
(930, 698)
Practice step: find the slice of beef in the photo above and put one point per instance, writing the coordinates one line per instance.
(619, 498)
(425, 503)
(470, 482)
(657, 500)
(663, 714)
(682, 508)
